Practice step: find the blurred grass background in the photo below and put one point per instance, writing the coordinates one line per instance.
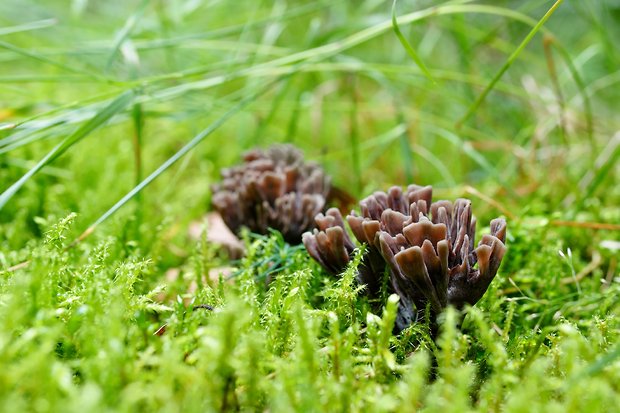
(345, 91)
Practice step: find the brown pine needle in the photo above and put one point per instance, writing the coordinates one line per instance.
(18, 266)
(473, 191)
(593, 265)
(590, 225)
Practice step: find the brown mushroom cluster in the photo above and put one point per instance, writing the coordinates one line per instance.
(273, 188)
(426, 248)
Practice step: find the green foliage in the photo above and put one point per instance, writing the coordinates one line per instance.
(85, 322)
(120, 114)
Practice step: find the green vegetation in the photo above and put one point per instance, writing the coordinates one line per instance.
(115, 118)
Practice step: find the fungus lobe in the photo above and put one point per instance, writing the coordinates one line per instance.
(427, 249)
(273, 188)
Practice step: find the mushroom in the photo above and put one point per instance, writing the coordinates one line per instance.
(273, 188)
(427, 249)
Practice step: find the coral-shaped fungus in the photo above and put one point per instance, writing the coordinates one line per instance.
(427, 249)
(273, 188)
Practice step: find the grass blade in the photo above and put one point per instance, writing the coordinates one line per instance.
(607, 159)
(587, 106)
(405, 147)
(99, 119)
(125, 32)
(471, 153)
(293, 62)
(354, 138)
(44, 59)
(437, 163)
(557, 88)
(410, 50)
(174, 158)
(39, 24)
(508, 63)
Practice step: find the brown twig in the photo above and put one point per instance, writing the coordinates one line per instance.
(594, 264)
(590, 225)
(18, 266)
(473, 191)
(613, 264)
(82, 236)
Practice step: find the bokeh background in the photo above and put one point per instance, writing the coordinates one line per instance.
(329, 76)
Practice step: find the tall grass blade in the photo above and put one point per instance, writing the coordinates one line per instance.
(41, 58)
(293, 62)
(410, 50)
(471, 153)
(137, 115)
(587, 105)
(354, 138)
(508, 63)
(125, 32)
(429, 157)
(36, 25)
(405, 149)
(606, 160)
(557, 89)
(99, 119)
(174, 158)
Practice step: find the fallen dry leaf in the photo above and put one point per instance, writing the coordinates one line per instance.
(218, 233)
